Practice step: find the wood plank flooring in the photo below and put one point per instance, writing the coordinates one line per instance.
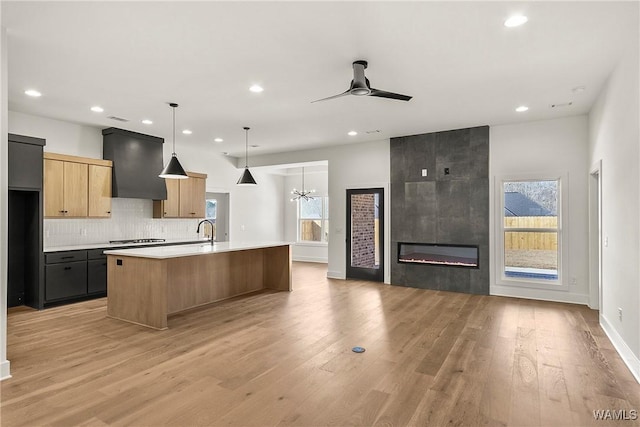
(284, 359)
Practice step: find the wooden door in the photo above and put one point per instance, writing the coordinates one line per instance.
(99, 191)
(76, 189)
(171, 206)
(53, 188)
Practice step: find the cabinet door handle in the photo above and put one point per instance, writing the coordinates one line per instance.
(108, 212)
(193, 213)
(67, 268)
(104, 263)
(61, 211)
(67, 257)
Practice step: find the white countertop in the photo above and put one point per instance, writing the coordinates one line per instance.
(164, 252)
(118, 245)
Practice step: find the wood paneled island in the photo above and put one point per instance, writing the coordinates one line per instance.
(146, 285)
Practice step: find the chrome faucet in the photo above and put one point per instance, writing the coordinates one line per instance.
(211, 223)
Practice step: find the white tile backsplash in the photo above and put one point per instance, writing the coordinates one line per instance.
(130, 219)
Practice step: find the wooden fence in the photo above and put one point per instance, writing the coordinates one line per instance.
(531, 239)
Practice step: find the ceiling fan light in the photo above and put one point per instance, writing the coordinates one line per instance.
(359, 91)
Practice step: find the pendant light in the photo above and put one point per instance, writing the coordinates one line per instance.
(174, 169)
(246, 178)
(302, 194)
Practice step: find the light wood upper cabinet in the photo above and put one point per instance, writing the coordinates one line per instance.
(53, 188)
(192, 197)
(172, 204)
(99, 191)
(76, 187)
(185, 198)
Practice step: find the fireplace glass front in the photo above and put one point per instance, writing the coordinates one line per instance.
(438, 254)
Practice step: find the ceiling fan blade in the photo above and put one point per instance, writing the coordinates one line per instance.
(346, 92)
(390, 95)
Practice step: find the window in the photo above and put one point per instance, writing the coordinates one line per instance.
(313, 219)
(530, 232)
(211, 211)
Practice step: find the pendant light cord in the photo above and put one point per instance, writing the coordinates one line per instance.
(246, 148)
(303, 179)
(173, 106)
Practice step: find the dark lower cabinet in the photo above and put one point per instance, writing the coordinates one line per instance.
(66, 280)
(97, 276)
(65, 276)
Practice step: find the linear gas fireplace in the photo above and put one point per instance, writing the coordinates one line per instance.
(438, 254)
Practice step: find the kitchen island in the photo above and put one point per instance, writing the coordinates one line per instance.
(146, 285)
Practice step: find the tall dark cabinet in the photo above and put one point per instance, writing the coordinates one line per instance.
(25, 257)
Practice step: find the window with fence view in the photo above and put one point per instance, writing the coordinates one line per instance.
(313, 219)
(531, 229)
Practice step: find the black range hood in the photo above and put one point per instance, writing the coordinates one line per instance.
(137, 161)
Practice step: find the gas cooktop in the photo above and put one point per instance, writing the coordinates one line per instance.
(136, 241)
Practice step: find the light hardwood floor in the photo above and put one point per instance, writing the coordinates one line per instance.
(432, 359)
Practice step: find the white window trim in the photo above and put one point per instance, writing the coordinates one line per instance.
(322, 224)
(562, 283)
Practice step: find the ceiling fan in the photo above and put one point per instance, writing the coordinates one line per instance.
(360, 86)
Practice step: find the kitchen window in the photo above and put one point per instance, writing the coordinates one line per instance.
(211, 212)
(530, 233)
(313, 220)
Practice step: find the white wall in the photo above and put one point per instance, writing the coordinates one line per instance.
(615, 139)
(538, 148)
(362, 165)
(4, 199)
(255, 212)
(316, 180)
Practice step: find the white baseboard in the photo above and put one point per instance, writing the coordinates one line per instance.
(336, 275)
(5, 370)
(630, 359)
(310, 259)
(539, 294)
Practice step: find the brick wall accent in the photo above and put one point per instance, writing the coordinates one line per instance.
(363, 230)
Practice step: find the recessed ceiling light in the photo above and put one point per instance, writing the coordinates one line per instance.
(147, 122)
(187, 132)
(515, 21)
(97, 109)
(579, 89)
(256, 88)
(254, 145)
(32, 92)
(218, 140)
(352, 133)
(522, 109)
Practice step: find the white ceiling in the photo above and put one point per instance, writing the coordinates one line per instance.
(458, 61)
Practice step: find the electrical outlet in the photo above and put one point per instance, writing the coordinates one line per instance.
(446, 171)
(606, 241)
(574, 281)
(424, 172)
(242, 227)
(620, 314)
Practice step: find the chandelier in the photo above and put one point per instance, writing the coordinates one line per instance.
(302, 194)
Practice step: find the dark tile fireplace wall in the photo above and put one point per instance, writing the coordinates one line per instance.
(441, 208)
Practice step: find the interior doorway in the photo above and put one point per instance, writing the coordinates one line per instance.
(217, 211)
(595, 236)
(365, 234)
